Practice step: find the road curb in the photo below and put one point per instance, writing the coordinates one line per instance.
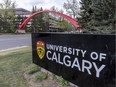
(14, 48)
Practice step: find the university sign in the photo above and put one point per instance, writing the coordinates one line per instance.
(85, 60)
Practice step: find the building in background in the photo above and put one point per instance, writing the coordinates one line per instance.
(21, 15)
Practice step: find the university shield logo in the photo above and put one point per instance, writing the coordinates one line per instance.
(40, 49)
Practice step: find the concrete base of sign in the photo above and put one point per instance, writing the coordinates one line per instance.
(44, 70)
(21, 31)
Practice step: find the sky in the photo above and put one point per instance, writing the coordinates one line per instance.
(28, 4)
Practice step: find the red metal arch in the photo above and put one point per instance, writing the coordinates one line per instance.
(71, 20)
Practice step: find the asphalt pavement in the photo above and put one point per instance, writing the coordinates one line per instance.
(13, 41)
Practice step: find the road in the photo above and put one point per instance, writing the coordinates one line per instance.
(13, 41)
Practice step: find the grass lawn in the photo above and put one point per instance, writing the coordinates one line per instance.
(12, 66)
(17, 70)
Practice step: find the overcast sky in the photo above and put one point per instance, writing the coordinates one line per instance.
(28, 4)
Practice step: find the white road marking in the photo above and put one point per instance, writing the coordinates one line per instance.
(12, 48)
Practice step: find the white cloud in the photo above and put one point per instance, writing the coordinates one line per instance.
(28, 4)
(46, 4)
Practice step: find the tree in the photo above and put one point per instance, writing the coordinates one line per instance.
(98, 16)
(85, 12)
(34, 20)
(1, 23)
(7, 15)
(72, 8)
(39, 24)
(66, 26)
(59, 22)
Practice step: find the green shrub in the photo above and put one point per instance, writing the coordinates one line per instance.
(63, 82)
(34, 69)
(42, 77)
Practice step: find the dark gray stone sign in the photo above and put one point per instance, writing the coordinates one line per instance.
(85, 60)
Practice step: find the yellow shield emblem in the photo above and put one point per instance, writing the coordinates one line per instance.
(40, 49)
